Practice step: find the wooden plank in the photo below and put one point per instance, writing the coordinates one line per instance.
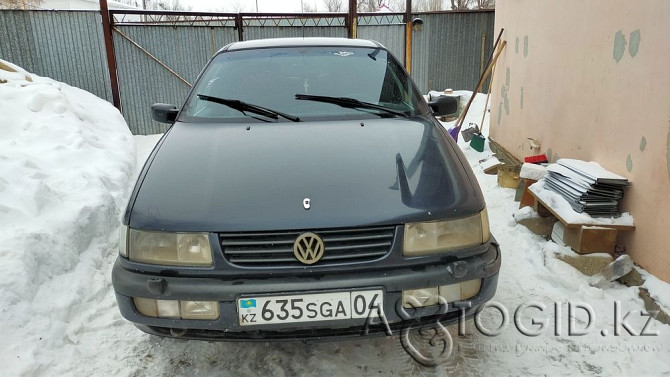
(508, 176)
(527, 199)
(539, 203)
(542, 210)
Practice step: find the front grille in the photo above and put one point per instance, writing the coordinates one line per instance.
(275, 249)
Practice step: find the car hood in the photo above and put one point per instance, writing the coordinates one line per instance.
(254, 177)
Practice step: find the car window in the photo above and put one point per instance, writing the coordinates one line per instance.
(272, 77)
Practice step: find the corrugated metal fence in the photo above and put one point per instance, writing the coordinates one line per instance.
(143, 82)
(69, 46)
(447, 53)
(388, 30)
(64, 45)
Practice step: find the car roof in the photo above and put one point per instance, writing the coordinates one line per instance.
(298, 42)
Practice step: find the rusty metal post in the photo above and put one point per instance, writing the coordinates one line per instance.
(408, 36)
(352, 19)
(111, 57)
(240, 29)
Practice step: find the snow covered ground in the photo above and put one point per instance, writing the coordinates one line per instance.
(67, 164)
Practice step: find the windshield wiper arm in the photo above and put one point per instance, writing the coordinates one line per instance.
(349, 102)
(243, 106)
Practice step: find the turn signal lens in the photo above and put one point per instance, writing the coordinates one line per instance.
(199, 309)
(470, 288)
(461, 291)
(146, 306)
(177, 309)
(417, 298)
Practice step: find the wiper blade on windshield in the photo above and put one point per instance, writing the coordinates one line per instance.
(349, 102)
(244, 107)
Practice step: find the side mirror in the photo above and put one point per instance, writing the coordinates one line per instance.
(164, 113)
(443, 105)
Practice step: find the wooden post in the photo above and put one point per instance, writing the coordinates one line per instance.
(352, 19)
(408, 36)
(111, 57)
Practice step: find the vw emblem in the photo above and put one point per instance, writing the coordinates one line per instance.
(308, 248)
(307, 203)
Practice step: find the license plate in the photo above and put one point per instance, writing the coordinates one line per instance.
(261, 310)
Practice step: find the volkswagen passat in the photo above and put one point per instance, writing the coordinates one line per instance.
(304, 189)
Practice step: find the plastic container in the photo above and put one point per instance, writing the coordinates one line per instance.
(477, 142)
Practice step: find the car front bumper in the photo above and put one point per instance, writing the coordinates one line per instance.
(128, 284)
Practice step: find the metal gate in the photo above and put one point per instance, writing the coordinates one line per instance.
(158, 58)
(158, 55)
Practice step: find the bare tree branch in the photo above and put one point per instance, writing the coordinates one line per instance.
(20, 4)
(369, 5)
(486, 4)
(308, 7)
(334, 6)
(427, 5)
(460, 4)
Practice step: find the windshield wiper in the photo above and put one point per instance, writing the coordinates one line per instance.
(247, 107)
(349, 102)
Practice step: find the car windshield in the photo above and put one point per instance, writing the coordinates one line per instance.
(271, 78)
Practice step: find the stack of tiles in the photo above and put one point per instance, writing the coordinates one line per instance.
(587, 186)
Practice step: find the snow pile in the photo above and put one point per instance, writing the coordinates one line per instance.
(532, 171)
(658, 289)
(66, 157)
(490, 162)
(525, 213)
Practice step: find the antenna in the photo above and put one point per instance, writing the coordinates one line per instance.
(302, 21)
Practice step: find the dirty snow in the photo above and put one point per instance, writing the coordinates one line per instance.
(67, 163)
(491, 162)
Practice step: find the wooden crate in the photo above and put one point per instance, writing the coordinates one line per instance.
(508, 176)
(590, 239)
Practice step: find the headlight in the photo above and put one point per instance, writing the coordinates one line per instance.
(176, 249)
(441, 236)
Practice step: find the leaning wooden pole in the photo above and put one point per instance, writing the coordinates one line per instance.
(488, 95)
(461, 118)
